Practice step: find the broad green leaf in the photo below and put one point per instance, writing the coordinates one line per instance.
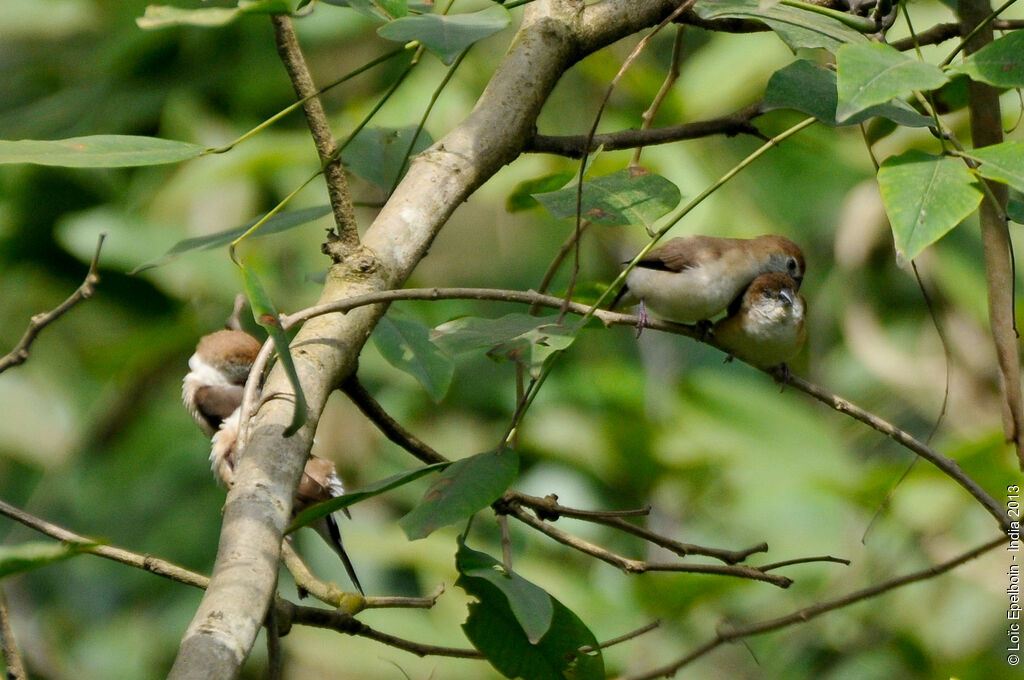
(873, 73)
(381, 10)
(265, 315)
(279, 222)
(1002, 163)
(797, 27)
(379, 155)
(805, 87)
(315, 512)
(525, 339)
(630, 196)
(464, 488)
(566, 650)
(447, 35)
(530, 604)
(925, 196)
(98, 151)
(17, 559)
(522, 198)
(406, 345)
(1000, 63)
(162, 16)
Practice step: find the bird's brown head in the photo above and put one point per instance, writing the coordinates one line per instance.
(232, 352)
(784, 256)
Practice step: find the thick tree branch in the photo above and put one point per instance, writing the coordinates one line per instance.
(551, 38)
(38, 322)
(986, 129)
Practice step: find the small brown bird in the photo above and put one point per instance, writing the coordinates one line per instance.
(766, 326)
(693, 278)
(213, 390)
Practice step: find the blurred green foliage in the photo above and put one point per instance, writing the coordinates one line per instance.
(93, 436)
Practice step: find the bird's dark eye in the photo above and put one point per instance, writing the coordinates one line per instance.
(767, 292)
(791, 265)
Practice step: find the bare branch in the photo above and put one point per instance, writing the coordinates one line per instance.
(144, 562)
(808, 613)
(631, 566)
(38, 322)
(12, 657)
(302, 81)
(573, 146)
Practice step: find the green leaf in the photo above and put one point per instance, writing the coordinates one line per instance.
(17, 559)
(279, 222)
(1002, 163)
(630, 196)
(805, 87)
(530, 604)
(406, 345)
(522, 198)
(379, 155)
(873, 73)
(266, 316)
(381, 10)
(1015, 209)
(1000, 63)
(464, 488)
(98, 151)
(566, 650)
(447, 35)
(315, 512)
(162, 16)
(925, 196)
(523, 338)
(795, 26)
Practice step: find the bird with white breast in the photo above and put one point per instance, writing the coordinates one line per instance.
(693, 278)
(766, 326)
(213, 390)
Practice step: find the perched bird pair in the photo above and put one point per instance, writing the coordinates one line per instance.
(212, 391)
(693, 278)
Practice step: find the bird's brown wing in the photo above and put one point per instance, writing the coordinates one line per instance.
(216, 402)
(684, 253)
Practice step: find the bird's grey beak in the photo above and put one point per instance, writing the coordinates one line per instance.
(786, 295)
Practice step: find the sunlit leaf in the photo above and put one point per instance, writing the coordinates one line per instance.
(925, 196)
(98, 151)
(1003, 163)
(162, 16)
(805, 87)
(1000, 63)
(315, 512)
(797, 27)
(406, 345)
(379, 155)
(631, 196)
(567, 648)
(279, 222)
(463, 489)
(530, 603)
(873, 73)
(266, 316)
(447, 35)
(17, 559)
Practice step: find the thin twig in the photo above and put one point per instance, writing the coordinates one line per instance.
(575, 146)
(625, 637)
(144, 562)
(302, 81)
(808, 613)
(670, 79)
(11, 655)
(345, 623)
(38, 322)
(631, 566)
(803, 560)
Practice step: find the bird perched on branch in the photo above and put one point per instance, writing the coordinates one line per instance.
(213, 390)
(766, 326)
(693, 278)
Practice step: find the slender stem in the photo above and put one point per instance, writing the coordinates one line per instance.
(11, 655)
